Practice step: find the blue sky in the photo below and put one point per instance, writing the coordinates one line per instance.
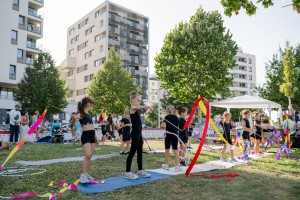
(261, 34)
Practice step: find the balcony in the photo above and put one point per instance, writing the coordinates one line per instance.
(133, 47)
(114, 30)
(34, 28)
(22, 26)
(16, 6)
(136, 37)
(13, 41)
(37, 3)
(32, 45)
(33, 12)
(12, 76)
(69, 63)
(113, 42)
(29, 61)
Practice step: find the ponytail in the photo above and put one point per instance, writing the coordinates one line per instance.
(80, 109)
(181, 109)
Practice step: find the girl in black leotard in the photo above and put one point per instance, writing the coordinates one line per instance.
(88, 137)
(246, 132)
(258, 134)
(136, 137)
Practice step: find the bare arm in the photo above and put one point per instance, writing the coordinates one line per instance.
(75, 119)
(163, 125)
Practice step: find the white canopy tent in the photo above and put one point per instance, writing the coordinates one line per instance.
(247, 101)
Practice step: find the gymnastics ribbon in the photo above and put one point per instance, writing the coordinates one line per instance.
(217, 176)
(207, 113)
(22, 141)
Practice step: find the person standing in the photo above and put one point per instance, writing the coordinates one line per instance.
(125, 124)
(15, 119)
(34, 119)
(24, 124)
(136, 137)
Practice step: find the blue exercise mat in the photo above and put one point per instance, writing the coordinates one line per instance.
(119, 182)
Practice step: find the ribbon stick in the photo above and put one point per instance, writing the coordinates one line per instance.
(207, 113)
(22, 141)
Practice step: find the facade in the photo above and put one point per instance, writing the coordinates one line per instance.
(90, 38)
(154, 90)
(244, 75)
(21, 28)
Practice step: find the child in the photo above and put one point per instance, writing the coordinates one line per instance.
(183, 135)
(246, 132)
(171, 123)
(125, 125)
(225, 123)
(136, 137)
(104, 132)
(257, 137)
(88, 137)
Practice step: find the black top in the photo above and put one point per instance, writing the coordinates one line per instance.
(226, 127)
(136, 123)
(258, 129)
(247, 125)
(126, 121)
(87, 119)
(175, 122)
(103, 128)
(182, 121)
(110, 121)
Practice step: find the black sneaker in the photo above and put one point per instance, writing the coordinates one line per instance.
(182, 163)
(122, 152)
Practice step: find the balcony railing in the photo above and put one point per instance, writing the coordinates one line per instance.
(34, 13)
(12, 76)
(29, 61)
(32, 45)
(34, 28)
(40, 1)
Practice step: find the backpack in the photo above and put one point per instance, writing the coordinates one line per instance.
(100, 118)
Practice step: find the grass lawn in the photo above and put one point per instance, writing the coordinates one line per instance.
(264, 179)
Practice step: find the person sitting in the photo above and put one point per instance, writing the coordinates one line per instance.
(56, 132)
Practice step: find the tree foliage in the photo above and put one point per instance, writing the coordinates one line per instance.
(234, 6)
(196, 57)
(152, 117)
(41, 87)
(111, 86)
(275, 77)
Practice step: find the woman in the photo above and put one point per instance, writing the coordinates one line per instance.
(24, 124)
(34, 119)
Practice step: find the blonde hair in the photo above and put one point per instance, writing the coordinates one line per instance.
(255, 114)
(245, 112)
(170, 109)
(134, 95)
(225, 114)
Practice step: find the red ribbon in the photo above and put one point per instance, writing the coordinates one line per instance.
(204, 131)
(217, 176)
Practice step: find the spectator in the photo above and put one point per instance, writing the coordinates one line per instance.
(102, 116)
(24, 124)
(56, 131)
(34, 119)
(15, 118)
(291, 124)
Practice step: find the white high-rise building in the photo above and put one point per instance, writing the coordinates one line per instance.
(244, 74)
(244, 79)
(21, 28)
(90, 38)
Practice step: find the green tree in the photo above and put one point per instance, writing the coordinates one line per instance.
(275, 76)
(42, 87)
(234, 6)
(288, 87)
(196, 57)
(111, 86)
(152, 117)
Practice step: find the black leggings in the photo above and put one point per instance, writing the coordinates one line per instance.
(136, 146)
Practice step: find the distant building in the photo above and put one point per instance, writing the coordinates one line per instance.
(91, 37)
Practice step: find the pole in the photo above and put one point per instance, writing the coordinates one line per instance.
(158, 105)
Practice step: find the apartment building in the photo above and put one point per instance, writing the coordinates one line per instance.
(21, 28)
(244, 74)
(244, 79)
(91, 37)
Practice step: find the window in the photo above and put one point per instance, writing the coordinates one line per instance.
(20, 53)
(96, 63)
(14, 35)
(80, 92)
(71, 31)
(73, 40)
(249, 61)
(12, 72)
(86, 55)
(92, 53)
(21, 20)
(250, 77)
(101, 23)
(86, 44)
(85, 90)
(77, 38)
(71, 52)
(82, 68)
(97, 38)
(92, 29)
(70, 73)
(16, 2)
(86, 78)
(91, 76)
(97, 14)
(250, 69)
(70, 94)
(101, 48)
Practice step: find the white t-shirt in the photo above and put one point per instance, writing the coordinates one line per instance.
(15, 116)
(114, 119)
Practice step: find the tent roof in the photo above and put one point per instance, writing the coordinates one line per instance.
(245, 101)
